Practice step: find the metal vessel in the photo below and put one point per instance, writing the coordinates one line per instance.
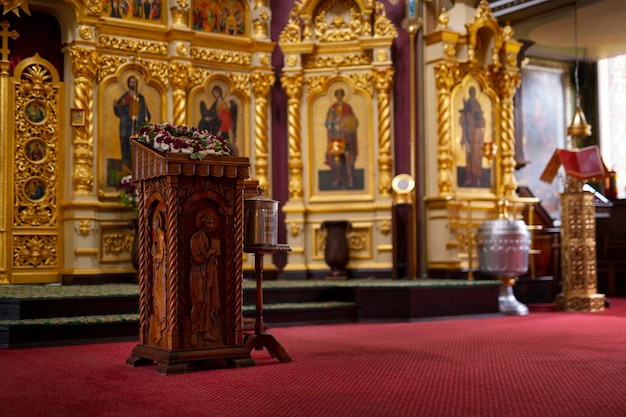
(503, 247)
(260, 220)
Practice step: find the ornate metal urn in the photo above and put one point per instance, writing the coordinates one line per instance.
(503, 248)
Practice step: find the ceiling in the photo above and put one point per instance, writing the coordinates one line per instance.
(549, 25)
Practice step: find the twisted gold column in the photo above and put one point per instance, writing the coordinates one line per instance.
(446, 76)
(85, 64)
(293, 86)
(179, 79)
(384, 82)
(508, 84)
(261, 84)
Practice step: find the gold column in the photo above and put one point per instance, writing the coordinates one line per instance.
(506, 152)
(446, 77)
(85, 64)
(293, 86)
(179, 79)
(578, 254)
(5, 64)
(384, 82)
(261, 85)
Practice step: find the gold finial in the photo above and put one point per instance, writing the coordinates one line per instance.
(444, 19)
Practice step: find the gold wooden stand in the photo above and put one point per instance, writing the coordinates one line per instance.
(190, 310)
(578, 254)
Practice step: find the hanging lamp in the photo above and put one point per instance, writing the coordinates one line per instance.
(579, 126)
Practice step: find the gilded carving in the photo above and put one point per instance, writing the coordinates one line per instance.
(365, 80)
(334, 27)
(179, 80)
(108, 65)
(295, 229)
(385, 227)
(357, 240)
(35, 250)
(291, 60)
(217, 56)
(261, 85)
(36, 122)
(315, 84)
(384, 81)
(85, 67)
(133, 45)
(382, 25)
(84, 227)
(198, 75)
(115, 243)
(158, 70)
(292, 31)
(94, 7)
(578, 251)
(338, 60)
(182, 49)
(265, 59)
(85, 32)
(293, 86)
(382, 55)
(241, 81)
(178, 17)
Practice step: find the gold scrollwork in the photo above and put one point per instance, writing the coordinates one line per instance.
(221, 57)
(31, 250)
(292, 31)
(334, 27)
(133, 45)
(357, 240)
(116, 243)
(338, 60)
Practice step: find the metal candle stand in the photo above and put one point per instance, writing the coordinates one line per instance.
(261, 338)
(261, 225)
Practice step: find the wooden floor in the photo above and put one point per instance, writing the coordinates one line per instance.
(39, 315)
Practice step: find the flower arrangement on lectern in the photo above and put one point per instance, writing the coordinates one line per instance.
(198, 143)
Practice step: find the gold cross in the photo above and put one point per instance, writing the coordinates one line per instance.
(5, 34)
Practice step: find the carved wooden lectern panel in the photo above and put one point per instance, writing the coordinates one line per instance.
(190, 259)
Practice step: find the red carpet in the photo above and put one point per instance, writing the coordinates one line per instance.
(541, 365)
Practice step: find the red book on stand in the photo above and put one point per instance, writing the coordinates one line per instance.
(583, 164)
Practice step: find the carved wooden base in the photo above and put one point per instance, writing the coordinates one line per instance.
(588, 302)
(177, 361)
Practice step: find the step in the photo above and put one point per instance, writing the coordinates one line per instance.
(73, 330)
(281, 314)
(32, 302)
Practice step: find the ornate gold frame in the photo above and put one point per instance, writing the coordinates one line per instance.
(318, 102)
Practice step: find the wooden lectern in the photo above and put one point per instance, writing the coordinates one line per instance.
(190, 259)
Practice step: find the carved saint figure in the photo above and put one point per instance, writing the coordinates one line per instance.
(204, 281)
(159, 295)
